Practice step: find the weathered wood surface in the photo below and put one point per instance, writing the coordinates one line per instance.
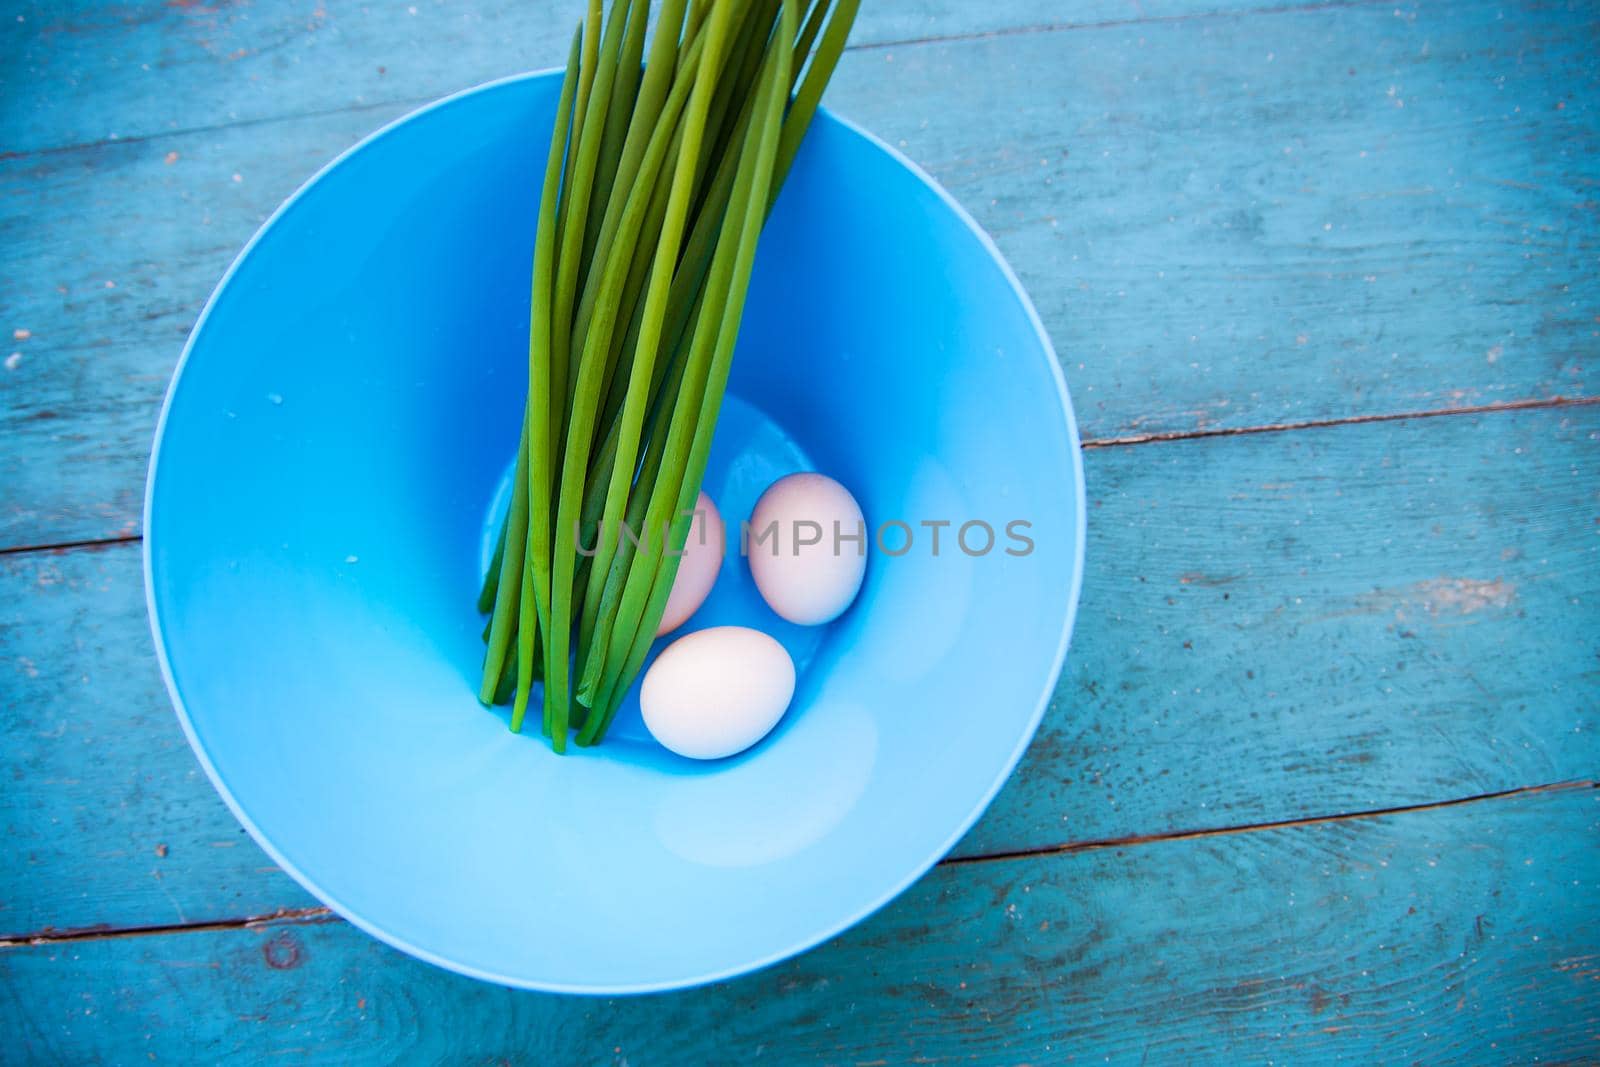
(108, 818)
(85, 71)
(1232, 214)
(1464, 935)
(1273, 626)
(1312, 212)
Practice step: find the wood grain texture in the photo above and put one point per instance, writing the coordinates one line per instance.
(86, 71)
(1273, 626)
(1230, 213)
(1317, 212)
(107, 816)
(1322, 621)
(1466, 935)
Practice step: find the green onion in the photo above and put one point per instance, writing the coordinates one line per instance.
(560, 356)
(653, 94)
(808, 34)
(533, 613)
(656, 186)
(650, 578)
(810, 94)
(756, 26)
(618, 117)
(508, 591)
(683, 299)
(491, 577)
(575, 460)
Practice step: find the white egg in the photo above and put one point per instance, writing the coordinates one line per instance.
(807, 546)
(697, 570)
(716, 692)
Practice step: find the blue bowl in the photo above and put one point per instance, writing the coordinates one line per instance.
(326, 476)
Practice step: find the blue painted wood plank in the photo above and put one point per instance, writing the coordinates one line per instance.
(106, 815)
(1323, 621)
(1273, 626)
(86, 71)
(1464, 935)
(1222, 225)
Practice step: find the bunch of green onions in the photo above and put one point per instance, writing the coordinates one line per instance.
(661, 171)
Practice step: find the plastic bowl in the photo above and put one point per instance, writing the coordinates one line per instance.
(317, 519)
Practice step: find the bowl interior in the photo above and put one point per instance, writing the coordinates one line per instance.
(324, 477)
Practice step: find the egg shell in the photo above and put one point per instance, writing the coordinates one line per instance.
(716, 692)
(697, 570)
(809, 584)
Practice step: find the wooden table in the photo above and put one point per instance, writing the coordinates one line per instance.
(1318, 777)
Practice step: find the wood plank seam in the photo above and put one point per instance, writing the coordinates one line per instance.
(1351, 420)
(217, 127)
(1535, 404)
(90, 544)
(866, 46)
(1147, 20)
(315, 915)
(1073, 847)
(281, 917)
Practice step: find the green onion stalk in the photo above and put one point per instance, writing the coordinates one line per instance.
(662, 168)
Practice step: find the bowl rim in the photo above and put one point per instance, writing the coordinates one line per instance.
(818, 937)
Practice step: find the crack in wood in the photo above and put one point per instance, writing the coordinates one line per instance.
(1101, 844)
(307, 916)
(1535, 404)
(281, 917)
(91, 544)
